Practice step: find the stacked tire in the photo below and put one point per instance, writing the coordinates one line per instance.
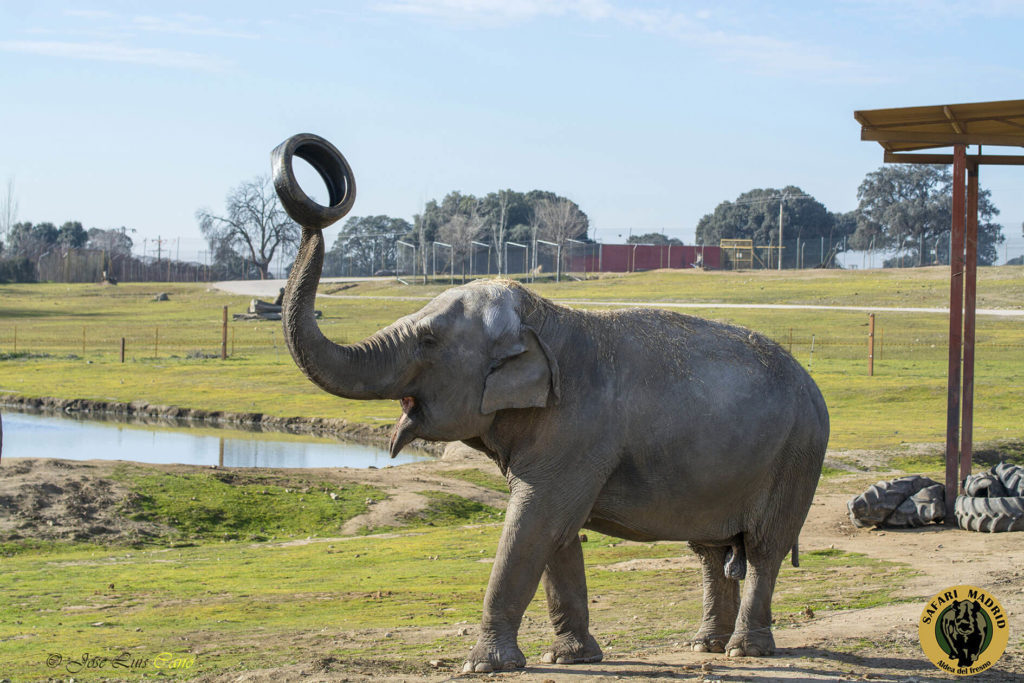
(994, 500)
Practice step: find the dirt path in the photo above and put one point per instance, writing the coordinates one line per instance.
(867, 644)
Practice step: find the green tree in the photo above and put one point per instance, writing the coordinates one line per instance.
(365, 245)
(908, 209)
(755, 215)
(115, 241)
(72, 235)
(658, 238)
(31, 241)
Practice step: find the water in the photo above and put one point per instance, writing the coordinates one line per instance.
(44, 436)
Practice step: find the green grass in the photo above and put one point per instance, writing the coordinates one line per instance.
(239, 606)
(903, 403)
(487, 480)
(228, 505)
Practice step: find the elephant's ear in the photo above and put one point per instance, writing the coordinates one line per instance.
(524, 374)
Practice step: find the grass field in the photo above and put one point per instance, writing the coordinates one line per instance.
(63, 341)
(218, 595)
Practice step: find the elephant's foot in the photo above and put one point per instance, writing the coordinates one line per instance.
(756, 643)
(488, 656)
(709, 642)
(569, 650)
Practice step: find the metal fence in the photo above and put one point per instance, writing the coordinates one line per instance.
(898, 338)
(94, 265)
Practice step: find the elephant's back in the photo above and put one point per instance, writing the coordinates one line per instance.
(715, 376)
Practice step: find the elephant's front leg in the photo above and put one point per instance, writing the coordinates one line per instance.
(565, 584)
(534, 526)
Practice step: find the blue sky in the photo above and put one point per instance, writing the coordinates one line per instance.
(645, 113)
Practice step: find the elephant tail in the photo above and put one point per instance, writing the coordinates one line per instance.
(796, 553)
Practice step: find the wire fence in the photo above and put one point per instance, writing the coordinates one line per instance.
(201, 340)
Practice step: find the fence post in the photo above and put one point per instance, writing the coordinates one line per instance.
(224, 336)
(122, 349)
(871, 344)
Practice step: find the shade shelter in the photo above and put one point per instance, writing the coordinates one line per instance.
(903, 133)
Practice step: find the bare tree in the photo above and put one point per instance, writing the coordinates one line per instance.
(255, 224)
(8, 210)
(499, 223)
(460, 231)
(559, 220)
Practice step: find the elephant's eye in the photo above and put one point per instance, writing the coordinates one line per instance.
(428, 341)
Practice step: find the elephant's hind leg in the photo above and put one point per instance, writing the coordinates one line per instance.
(721, 600)
(565, 585)
(753, 634)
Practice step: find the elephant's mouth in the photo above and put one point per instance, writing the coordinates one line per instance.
(405, 428)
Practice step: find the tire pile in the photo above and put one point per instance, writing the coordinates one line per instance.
(994, 501)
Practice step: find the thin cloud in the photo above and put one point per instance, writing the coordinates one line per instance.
(110, 52)
(764, 55)
(187, 25)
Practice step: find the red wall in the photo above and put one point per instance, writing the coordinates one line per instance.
(622, 258)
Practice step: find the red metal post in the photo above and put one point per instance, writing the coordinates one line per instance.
(956, 294)
(970, 299)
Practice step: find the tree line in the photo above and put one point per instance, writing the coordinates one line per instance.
(370, 244)
(26, 242)
(903, 210)
(255, 227)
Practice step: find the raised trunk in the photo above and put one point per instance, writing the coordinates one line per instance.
(372, 369)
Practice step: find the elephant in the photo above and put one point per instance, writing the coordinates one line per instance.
(642, 424)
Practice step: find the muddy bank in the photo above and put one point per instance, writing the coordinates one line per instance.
(45, 499)
(142, 412)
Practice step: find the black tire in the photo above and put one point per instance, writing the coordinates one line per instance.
(924, 507)
(990, 514)
(874, 506)
(1011, 476)
(985, 485)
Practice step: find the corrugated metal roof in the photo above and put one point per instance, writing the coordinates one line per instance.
(944, 125)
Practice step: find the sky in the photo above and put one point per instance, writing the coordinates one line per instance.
(647, 114)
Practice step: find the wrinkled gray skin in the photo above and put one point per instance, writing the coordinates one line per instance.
(641, 423)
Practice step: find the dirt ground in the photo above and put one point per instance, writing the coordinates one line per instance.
(75, 500)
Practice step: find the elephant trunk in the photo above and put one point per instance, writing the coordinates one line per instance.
(368, 370)
(372, 369)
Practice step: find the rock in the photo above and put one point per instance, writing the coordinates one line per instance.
(162, 296)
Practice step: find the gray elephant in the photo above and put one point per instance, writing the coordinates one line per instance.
(641, 423)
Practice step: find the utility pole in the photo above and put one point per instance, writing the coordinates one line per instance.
(782, 200)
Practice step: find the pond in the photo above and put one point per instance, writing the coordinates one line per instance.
(71, 438)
